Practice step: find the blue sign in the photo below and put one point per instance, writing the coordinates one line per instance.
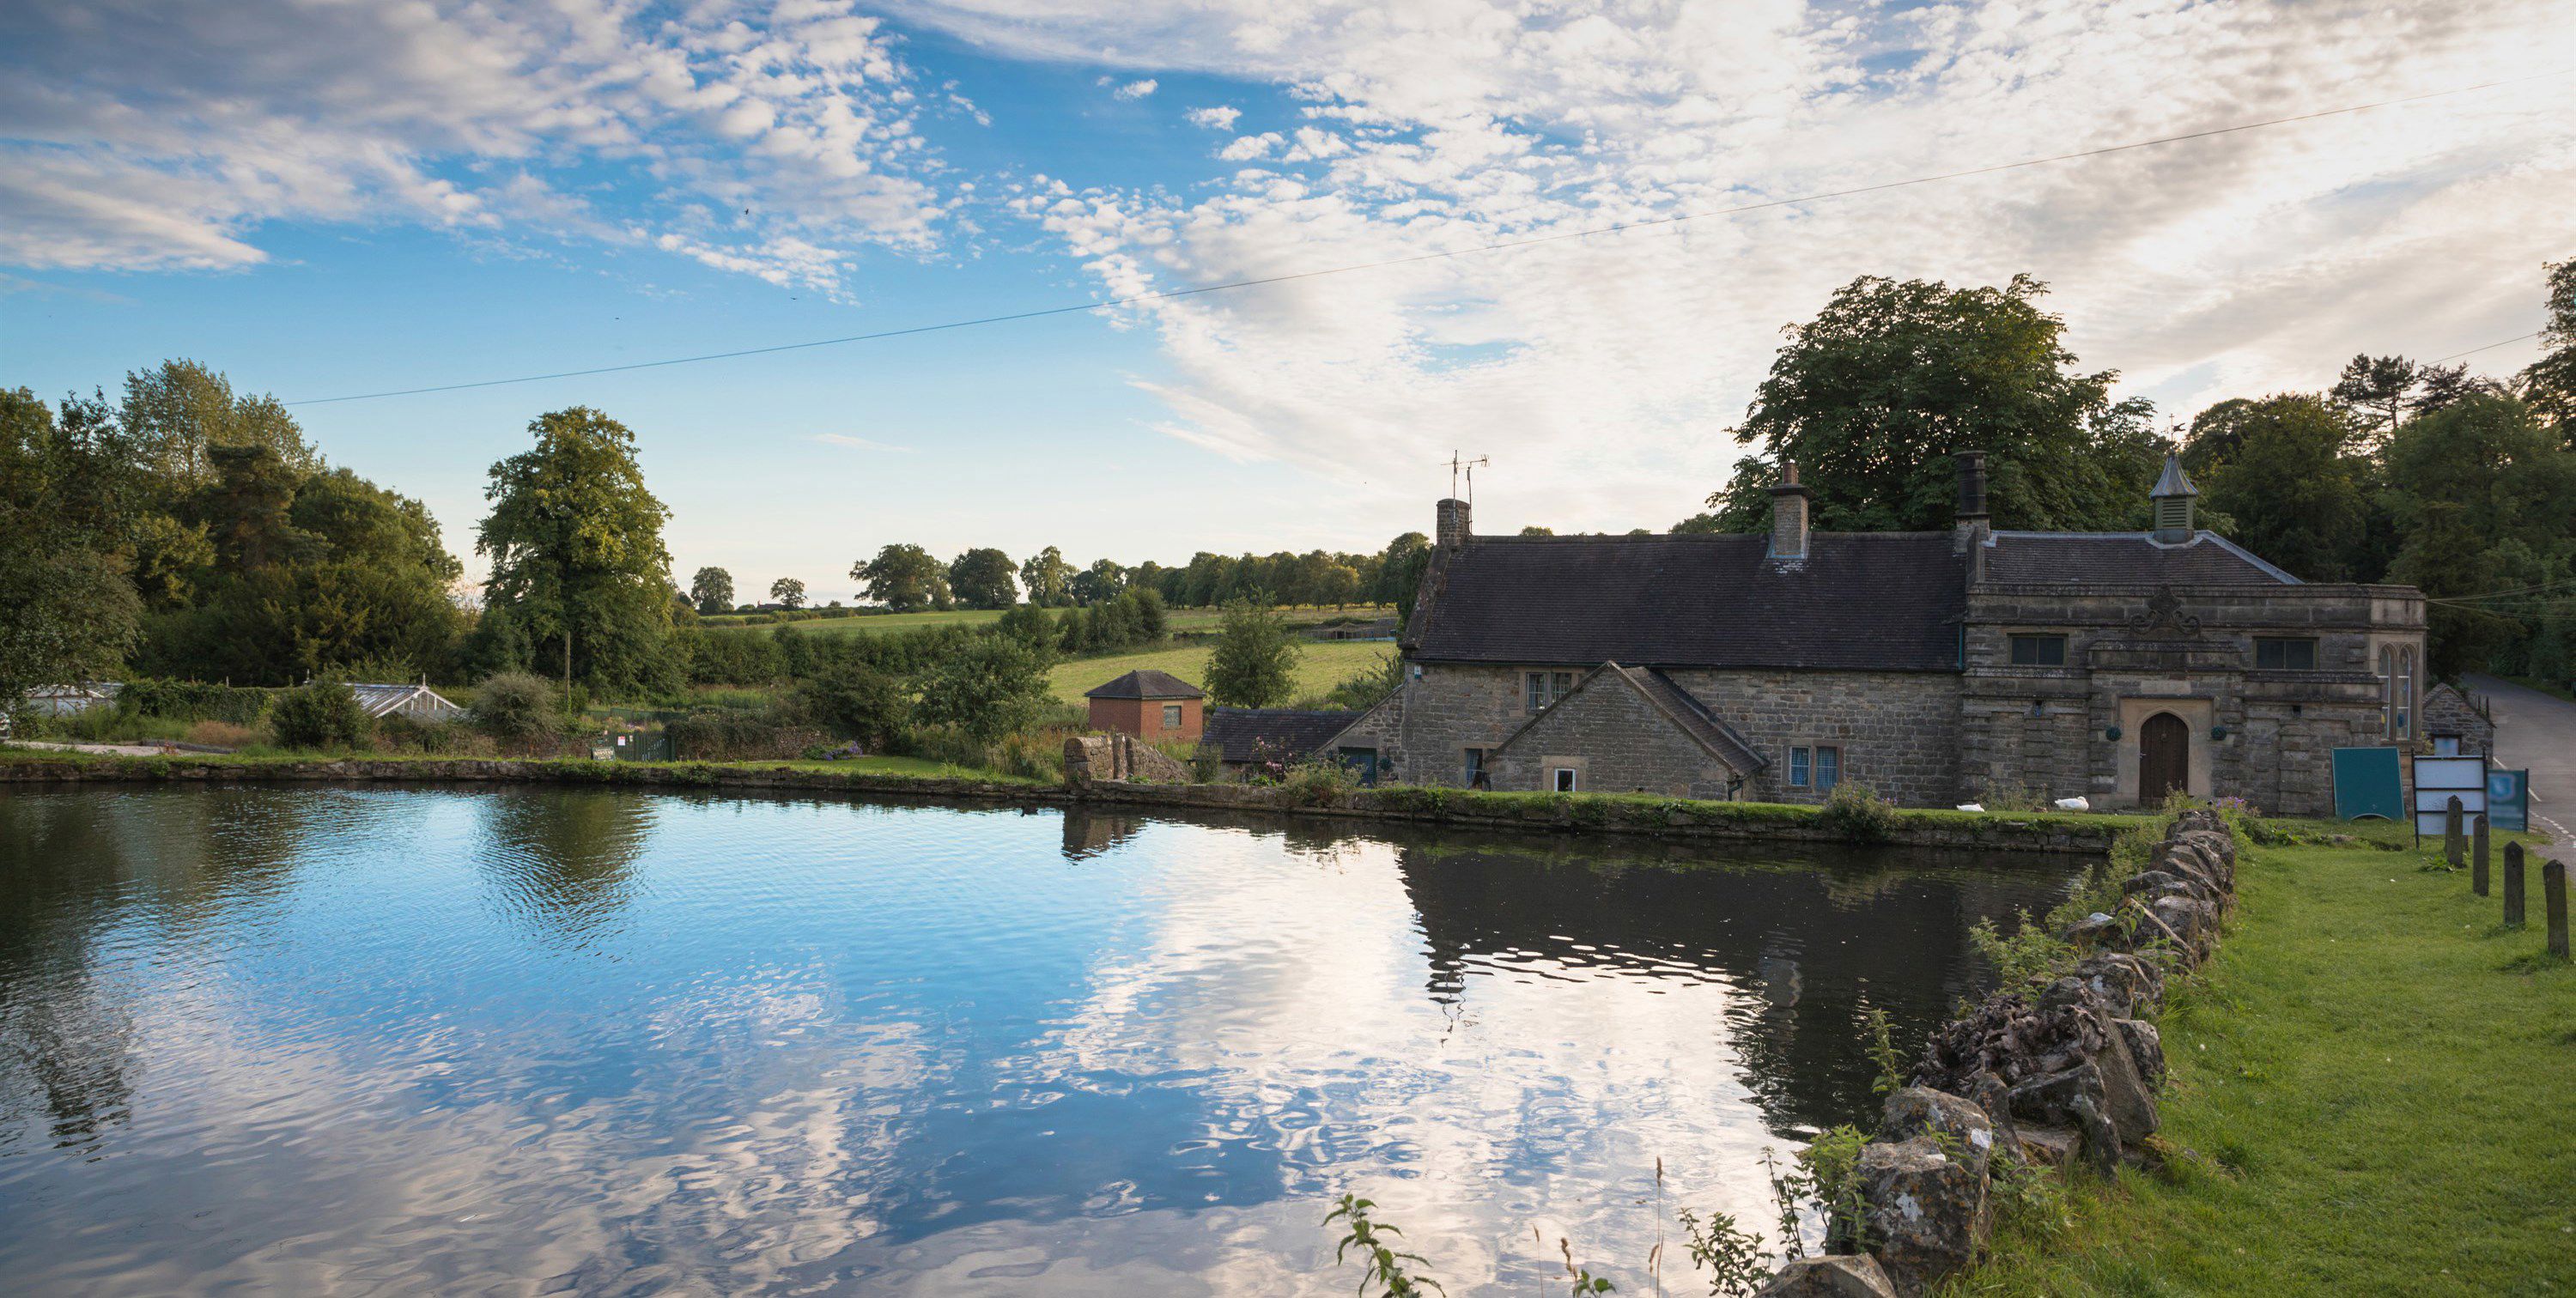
(2509, 799)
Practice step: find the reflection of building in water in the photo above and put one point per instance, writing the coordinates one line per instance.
(562, 861)
(1805, 943)
(1089, 833)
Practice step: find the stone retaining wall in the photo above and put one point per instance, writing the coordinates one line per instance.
(1663, 818)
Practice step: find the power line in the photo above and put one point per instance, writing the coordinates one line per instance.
(2488, 348)
(1165, 295)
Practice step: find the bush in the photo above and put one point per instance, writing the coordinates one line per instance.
(853, 700)
(192, 701)
(1255, 663)
(323, 714)
(222, 734)
(988, 687)
(736, 735)
(1856, 812)
(518, 711)
(401, 734)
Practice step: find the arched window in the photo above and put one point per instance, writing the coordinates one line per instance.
(2405, 693)
(2388, 690)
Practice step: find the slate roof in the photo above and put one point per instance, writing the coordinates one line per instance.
(1694, 716)
(1146, 683)
(2124, 558)
(1261, 734)
(1885, 601)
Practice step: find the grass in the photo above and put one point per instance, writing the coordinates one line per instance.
(899, 767)
(2371, 1092)
(1181, 619)
(1321, 665)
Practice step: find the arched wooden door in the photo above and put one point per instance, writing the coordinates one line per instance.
(2164, 758)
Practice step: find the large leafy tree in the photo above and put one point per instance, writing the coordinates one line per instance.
(789, 592)
(2282, 473)
(575, 542)
(2374, 389)
(712, 590)
(179, 411)
(982, 578)
(1873, 396)
(1255, 662)
(988, 686)
(905, 579)
(1099, 583)
(1048, 578)
(2549, 383)
(2480, 492)
(71, 608)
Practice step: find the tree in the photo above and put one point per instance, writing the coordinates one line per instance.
(1099, 583)
(1255, 662)
(1536, 530)
(71, 608)
(320, 714)
(905, 578)
(2286, 482)
(1047, 578)
(1399, 572)
(180, 410)
(988, 687)
(2479, 493)
(853, 700)
(2549, 383)
(1339, 585)
(517, 710)
(1873, 396)
(2444, 386)
(712, 591)
(2374, 389)
(788, 591)
(575, 543)
(981, 578)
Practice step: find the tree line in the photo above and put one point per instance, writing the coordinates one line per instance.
(2398, 471)
(904, 578)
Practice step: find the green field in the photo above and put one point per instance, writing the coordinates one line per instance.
(2370, 1094)
(1182, 619)
(1321, 665)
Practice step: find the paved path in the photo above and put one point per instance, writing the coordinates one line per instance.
(2538, 731)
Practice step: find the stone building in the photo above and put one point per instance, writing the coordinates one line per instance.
(1934, 667)
(1151, 705)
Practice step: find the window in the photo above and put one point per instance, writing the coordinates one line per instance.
(2273, 654)
(2405, 694)
(1545, 688)
(1563, 778)
(2387, 690)
(2446, 745)
(1171, 716)
(1819, 767)
(2039, 651)
(1472, 773)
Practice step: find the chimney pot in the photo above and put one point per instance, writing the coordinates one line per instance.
(1453, 530)
(1789, 517)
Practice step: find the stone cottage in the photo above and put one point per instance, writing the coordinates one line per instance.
(1934, 667)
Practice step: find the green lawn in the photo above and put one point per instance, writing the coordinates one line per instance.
(1320, 666)
(1182, 619)
(2374, 1092)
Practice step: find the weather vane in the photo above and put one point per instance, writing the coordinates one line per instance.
(1459, 465)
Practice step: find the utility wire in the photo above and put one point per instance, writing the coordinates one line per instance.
(2488, 348)
(1165, 295)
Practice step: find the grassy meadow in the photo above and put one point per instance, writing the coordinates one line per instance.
(2373, 1091)
(1321, 665)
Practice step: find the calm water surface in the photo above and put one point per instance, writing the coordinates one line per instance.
(606, 1042)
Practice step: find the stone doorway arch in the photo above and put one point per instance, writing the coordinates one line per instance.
(2164, 758)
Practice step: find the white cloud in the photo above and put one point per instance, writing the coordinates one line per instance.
(860, 443)
(1218, 118)
(1135, 89)
(1601, 372)
(147, 137)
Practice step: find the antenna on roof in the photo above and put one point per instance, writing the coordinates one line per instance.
(1458, 465)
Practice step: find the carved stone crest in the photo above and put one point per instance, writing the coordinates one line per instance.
(2164, 615)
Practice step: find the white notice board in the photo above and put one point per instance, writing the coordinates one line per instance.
(2440, 779)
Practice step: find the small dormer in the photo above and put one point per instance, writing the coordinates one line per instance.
(2174, 496)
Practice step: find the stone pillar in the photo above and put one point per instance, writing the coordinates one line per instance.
(2553, 896)
(2478, 857)
(2451, 845)
(2513, 885)
(1452, 530)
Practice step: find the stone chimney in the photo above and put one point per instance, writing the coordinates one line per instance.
(1789, 518)
(2174, 496)
(1974, 524)
(1453, 531)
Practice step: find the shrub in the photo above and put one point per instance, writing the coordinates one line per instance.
(948, 745)
(988, 687)
(402, 734)
(192, 701)
(1857, 813)
(323, 714)
(853, 700)
(736, 735)
(517, 710)
(222, 734)
(1255, 663)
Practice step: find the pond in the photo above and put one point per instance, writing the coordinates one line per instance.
(596, 1041)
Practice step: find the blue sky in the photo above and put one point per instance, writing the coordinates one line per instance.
(329, 198)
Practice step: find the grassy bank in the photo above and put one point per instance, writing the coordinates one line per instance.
(2373, 1091)
(1321, 665)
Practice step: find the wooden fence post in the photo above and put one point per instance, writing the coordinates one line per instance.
(2513, 885)
(2553, 893)
(2451, 833)
(2478, 854)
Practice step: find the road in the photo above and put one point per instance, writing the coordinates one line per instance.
(2538, 731)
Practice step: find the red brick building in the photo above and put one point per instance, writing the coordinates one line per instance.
(1150, 705)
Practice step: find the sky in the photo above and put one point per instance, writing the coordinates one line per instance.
(325, 199)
